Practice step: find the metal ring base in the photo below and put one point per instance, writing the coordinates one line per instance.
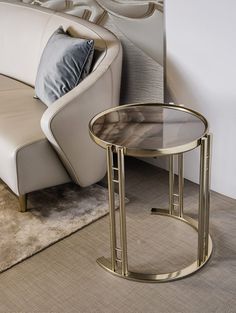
(158, 278)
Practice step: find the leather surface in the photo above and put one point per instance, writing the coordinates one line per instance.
(7, 83)
(84, 160)
(27, 160)
(96, 8)
(126, 9)
(91, 161)
(65, 122)
(20, 41)
(139, 26)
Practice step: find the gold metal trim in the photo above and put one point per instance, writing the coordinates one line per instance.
(204, 199)
(150, 153)
(123, 232)
(162, 277)
(180, 184)
(111, 206)
(171, 183)
(119, 264)
(176, 199)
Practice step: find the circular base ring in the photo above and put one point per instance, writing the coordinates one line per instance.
(158, 278)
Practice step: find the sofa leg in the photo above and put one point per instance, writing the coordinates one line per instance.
(23, 203)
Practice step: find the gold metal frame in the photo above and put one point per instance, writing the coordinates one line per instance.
(118, 264)
(150, 153)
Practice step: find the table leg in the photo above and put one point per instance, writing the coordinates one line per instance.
(204, 200)
(119, 265)
(207, 211)
(171, 184)
(123, 234)
(180, 184)
(112, 222)
(175, 199)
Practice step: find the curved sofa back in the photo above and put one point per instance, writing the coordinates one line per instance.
(25, 30)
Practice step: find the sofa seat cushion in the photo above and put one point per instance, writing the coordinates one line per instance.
(7, 83)
(24, 149)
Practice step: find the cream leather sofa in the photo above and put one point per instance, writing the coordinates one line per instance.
(45, 146)
(139, 26)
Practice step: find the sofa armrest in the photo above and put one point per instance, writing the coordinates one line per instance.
(65, 123)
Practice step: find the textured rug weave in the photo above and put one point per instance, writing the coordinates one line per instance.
(53, 214)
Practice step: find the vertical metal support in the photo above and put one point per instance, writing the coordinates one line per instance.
(123, 235)
(22, 203)
(207, 207)
(111, 206)
(180, 183)
(171, 184)
(201, 201)
(203, 216)
(176, 199)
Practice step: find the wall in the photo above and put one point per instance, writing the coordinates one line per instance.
(201, 73)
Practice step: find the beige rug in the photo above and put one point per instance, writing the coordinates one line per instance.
(53, 214)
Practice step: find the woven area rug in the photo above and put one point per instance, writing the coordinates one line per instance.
(53, 214)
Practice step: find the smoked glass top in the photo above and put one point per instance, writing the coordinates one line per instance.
(144, 128)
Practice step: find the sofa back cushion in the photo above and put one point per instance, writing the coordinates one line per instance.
(24, 33)
(20, 39)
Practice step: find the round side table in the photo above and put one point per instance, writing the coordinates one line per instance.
(153, 130)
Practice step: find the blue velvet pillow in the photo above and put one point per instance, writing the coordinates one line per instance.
(65, 62)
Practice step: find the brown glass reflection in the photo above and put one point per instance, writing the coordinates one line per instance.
(149, 127)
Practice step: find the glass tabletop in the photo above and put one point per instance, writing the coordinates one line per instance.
(149, 129)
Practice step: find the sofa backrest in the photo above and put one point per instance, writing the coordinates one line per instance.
(25, 30)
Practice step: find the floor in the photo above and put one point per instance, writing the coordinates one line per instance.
(65, 277)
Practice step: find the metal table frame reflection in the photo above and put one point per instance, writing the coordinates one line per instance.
(118, 263)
